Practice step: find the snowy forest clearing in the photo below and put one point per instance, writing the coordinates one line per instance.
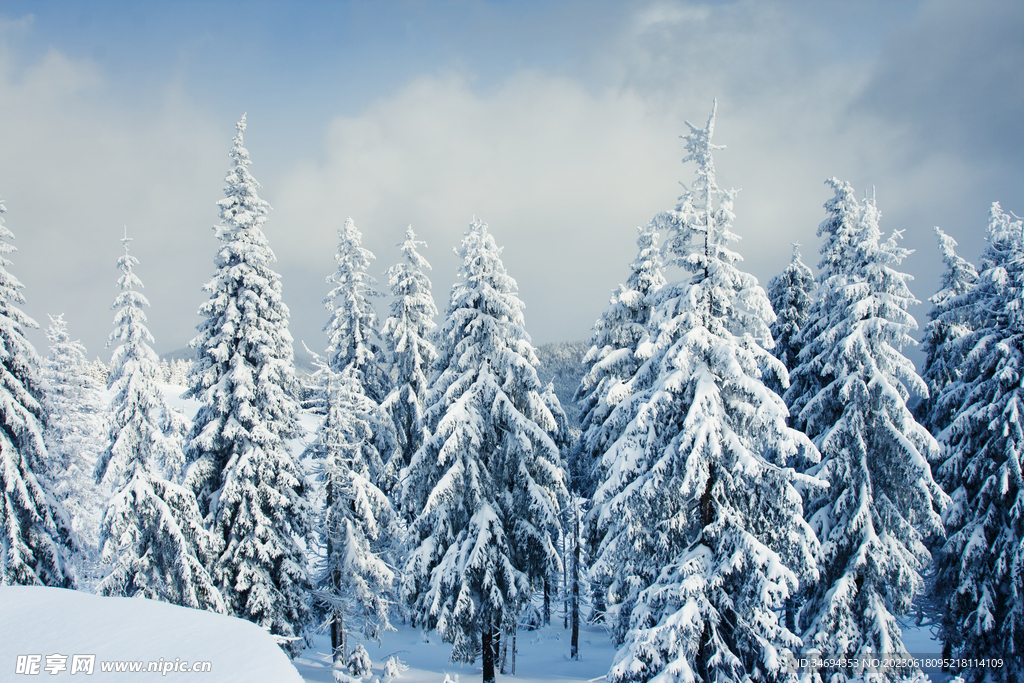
(543, 655)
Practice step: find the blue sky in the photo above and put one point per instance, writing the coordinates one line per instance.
(555, 122)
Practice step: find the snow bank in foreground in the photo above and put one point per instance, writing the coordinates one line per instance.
(49, 621)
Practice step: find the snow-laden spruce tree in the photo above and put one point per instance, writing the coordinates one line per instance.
(487, 485)
(981, 566)
(700, 527)
(352, 328)
(37, 541)
(839, 232)
(612, 361)
(248, 482)
(949, 323)
(882, 504)
(152, 539)
(791, 293)
(406, 333)
(358, 527)
(75, 431)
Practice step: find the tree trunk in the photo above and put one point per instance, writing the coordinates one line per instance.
(565, 582)
(502, 651)
(488, 652)
(336, 639)
(547, 602)
(574, 647)
(514, 633)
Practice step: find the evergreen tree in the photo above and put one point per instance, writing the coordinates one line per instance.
(74, 433)
(358, 524)
(407, 335)
(37, 540)
(613, 358)
(882, 504)
(949, 323)
(487, 485)
(839, 232)
(699, 523)
(980, 566)
(248, 482)
(352, 334)
(352, 328)
(152, 538)
(791, 293)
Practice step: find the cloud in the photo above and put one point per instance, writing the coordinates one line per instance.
(562, 159)
(561, 176)
(78, 167)
(956, 78)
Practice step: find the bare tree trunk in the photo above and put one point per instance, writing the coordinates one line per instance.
(488, 652)
(565, 581)
(502, 651)
(547, 602)
(574, 647)
(336, 638)
(515, 632)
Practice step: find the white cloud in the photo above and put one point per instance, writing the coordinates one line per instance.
(78, 167)
(561, 176)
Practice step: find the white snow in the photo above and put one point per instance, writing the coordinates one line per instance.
(46, 621)
(543, 655)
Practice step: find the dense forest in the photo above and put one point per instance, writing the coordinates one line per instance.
(730, 478)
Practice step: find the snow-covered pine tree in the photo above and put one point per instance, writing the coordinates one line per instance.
(153, 542)
(699, 525)
(352, 328)
(882, 504)
(37, 540)
(248, 482)
(75, 432)
(791, 293)
(838, 232)
(487, 485)
(358, 524)
(612, 361)
(407, 336)
(949, 323)
(980, 567)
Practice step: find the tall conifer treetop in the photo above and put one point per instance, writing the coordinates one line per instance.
(698, 523)
(410, 352)
(792, 295)
(611, 362)
(407, 331)
(950, 322)
(247, 482)
(352, 328)
(35, 532)
(144, 430)
(244, 373)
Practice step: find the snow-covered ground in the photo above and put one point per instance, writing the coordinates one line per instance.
(39, 623)
(543, 655)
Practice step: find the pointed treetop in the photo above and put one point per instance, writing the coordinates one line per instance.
(128, 279)
(796, 250)
(408, 247)
(699, 148)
